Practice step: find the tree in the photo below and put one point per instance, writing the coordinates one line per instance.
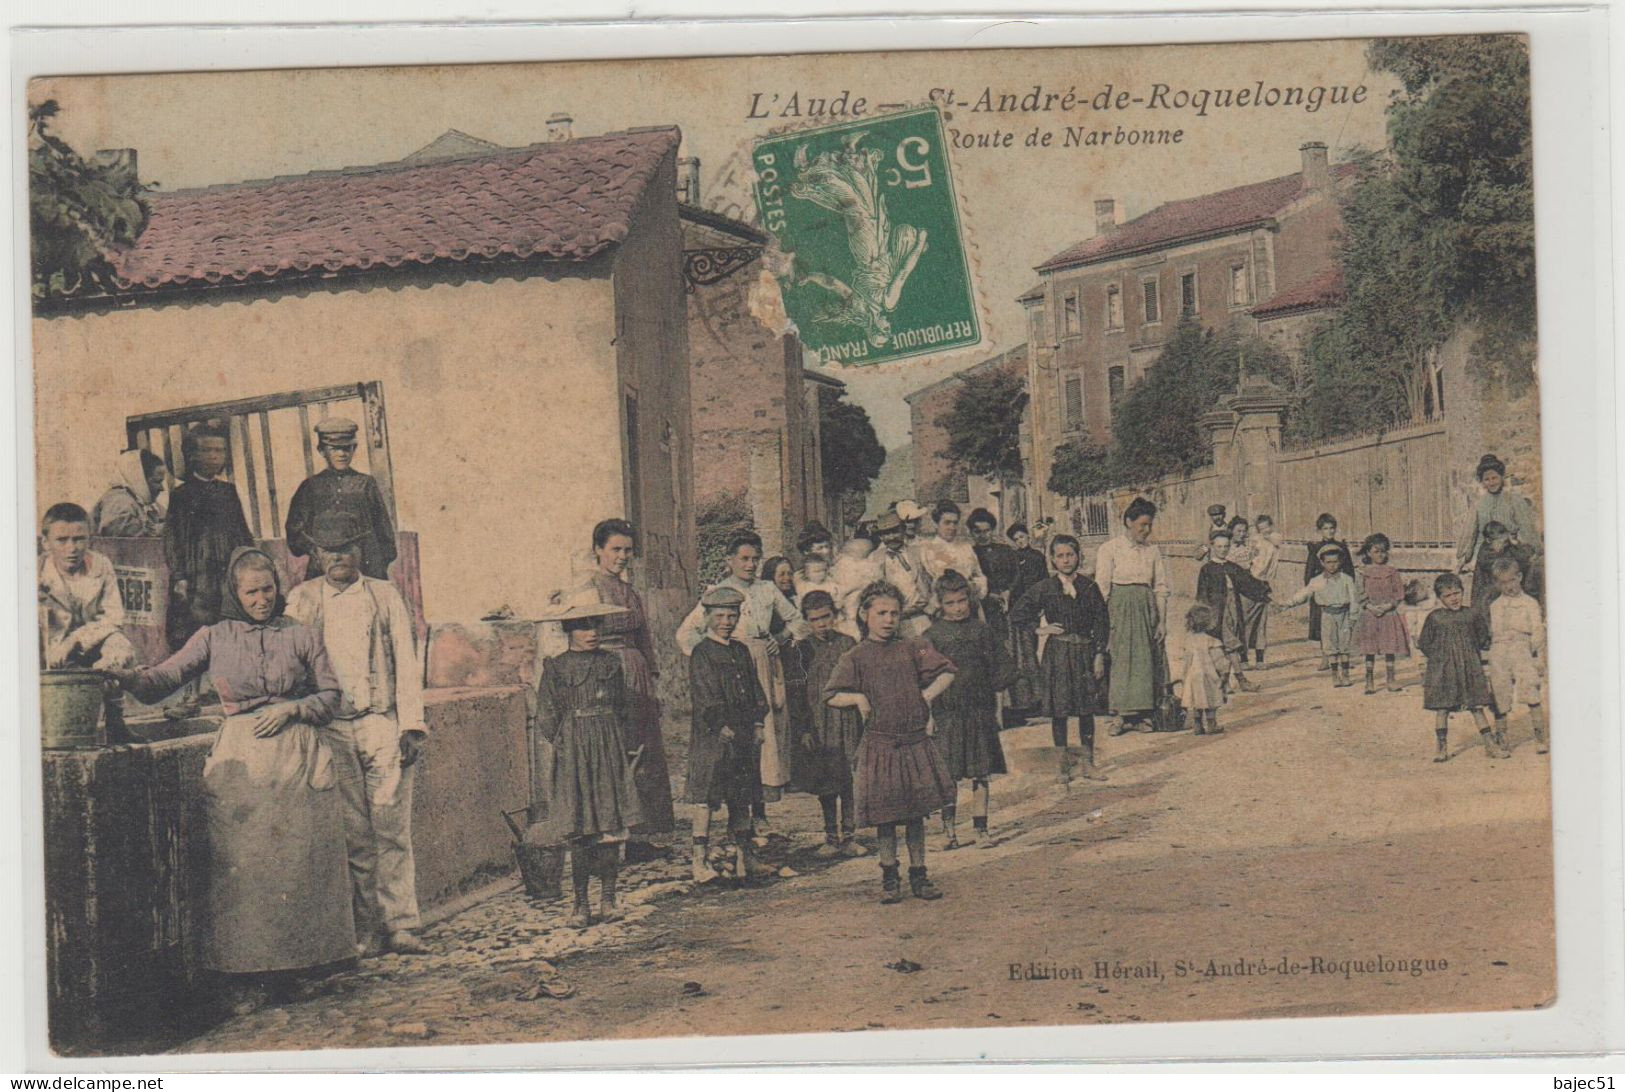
(1080, 470)
(850, 452)
(984, 425)
(79, 211)
(1155, 429)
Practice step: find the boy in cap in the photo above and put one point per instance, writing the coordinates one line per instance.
(379, 730)
(729, 715)
(80, 608)
(1337, 595)
(341, 488)
(1215, 522)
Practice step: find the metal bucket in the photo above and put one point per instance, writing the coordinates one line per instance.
(70, 710)
(541, 868)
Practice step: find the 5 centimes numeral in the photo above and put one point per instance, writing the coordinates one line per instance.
(866, 212)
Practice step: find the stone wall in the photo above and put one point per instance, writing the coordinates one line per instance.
(125, 857)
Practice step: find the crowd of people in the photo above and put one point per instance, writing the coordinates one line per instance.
(876, 678)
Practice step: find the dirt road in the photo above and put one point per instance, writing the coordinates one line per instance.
(1310, 861)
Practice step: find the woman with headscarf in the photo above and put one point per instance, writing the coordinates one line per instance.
(278, 897)
(1134, 581)
(614, 544)
(129, 508)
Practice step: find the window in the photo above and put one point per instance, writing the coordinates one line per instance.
(1114, 308)
(1073, 403)
(1153, 309)
(1071, 314)
(1238, 284)
(1114, 384)
(267, 436)
(1187, 294)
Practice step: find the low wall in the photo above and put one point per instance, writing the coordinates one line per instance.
(125, 864)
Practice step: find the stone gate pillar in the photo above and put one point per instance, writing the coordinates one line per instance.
(1259, 408)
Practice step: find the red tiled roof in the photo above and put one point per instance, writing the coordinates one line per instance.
(1036, 292)
(1194, 217)
(1324, 289)
(567, 200)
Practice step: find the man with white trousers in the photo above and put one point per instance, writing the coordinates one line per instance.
(379, 731)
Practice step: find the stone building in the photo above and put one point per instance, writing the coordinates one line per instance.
(1291, 317)
(1099, 316)
(756, 418)
(935, 476)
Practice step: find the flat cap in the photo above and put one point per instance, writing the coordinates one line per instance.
(722, 596)
(1215, 509)
(333, 530)
(337, 428)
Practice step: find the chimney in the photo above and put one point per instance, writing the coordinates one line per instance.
(1105, 215)
(1316, 174)
(688, 180)
(119, 162)
(560, 127)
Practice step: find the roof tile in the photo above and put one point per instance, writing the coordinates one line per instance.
(1324, 289)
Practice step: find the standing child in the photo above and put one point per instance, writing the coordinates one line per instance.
(1452, 638)
(730, 710)
(1073, 664)
(1335, 595)
(1233, 594)
(827, 739)
(1205, 664)
(1517, 651)
(900, 776)
(967, 714)
(1266, 559)
(592, 798)
(1326, 527)
(1382, 630)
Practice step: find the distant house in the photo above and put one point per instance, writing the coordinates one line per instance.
(510, 326)
(935, 475)
(1099, 316)
(1291, 317)
(756, 406)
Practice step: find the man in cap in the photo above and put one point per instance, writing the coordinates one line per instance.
(1216, 522)
(900, 566)
(340, 488)
(379, 731)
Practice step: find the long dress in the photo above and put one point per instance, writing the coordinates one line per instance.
(824, 764)
(205, 526)
(725, 692)
(583, 710)
(628, 636)
(1030, 569)
(278, 895)
(1383, 634)
(967, 713)
(1452, 640)
(1134, 580)
(900, 774)
(1204, 659)
(1067, 686)
(1311, 569)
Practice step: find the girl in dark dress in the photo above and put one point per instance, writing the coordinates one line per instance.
(900, 777)
(1326, 524)
(967, 714)
(1451, 639)
(1074, 659)
(591, 800)
(826, 739)
(729, 710)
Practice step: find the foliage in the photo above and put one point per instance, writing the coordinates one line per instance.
(984, 424)
(79, 211)
(715, 522)
(1080, 470)
(1155, 429)
(851, 453)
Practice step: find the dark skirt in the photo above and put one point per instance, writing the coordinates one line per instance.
(825, 767)
(591, 788)
(1067, 679)
(969, 740)
(899, 778)
(1455, 680)
(1025, 693)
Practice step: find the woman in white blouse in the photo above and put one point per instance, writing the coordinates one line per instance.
(1134, 580)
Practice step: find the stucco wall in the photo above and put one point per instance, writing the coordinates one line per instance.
(496, 393)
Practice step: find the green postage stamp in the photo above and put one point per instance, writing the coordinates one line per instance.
(866, 212)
